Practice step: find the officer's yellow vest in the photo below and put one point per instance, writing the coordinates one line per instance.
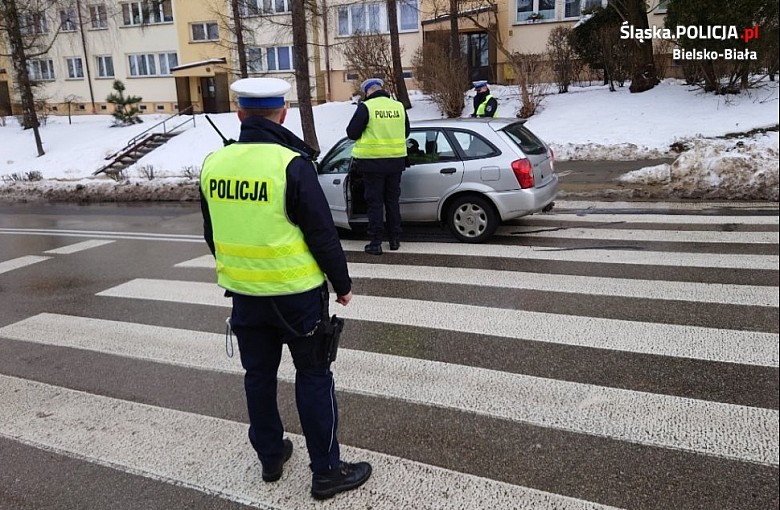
(483, 104)
(259, 251)
(385, 134)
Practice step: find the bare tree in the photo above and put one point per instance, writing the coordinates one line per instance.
(395, 50)
(562, 58)
(367, 56)
(441, 77)
(643, 72)
(26, 28)
(303, 88)
(238, 33)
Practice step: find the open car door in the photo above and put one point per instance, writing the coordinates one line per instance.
(333, 172)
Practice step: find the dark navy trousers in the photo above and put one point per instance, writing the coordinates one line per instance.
(261, 334)
(382, 191)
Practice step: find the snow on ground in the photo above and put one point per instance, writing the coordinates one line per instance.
(588, 123)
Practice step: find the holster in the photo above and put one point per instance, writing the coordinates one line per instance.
(330, 328)
(331, 331)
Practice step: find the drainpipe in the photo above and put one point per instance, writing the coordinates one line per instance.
(327, 49)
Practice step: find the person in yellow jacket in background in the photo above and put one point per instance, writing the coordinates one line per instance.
(268, 224)
(380, 127)
(485, 105)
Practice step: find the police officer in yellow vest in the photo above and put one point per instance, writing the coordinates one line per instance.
(268, 224)
(485, 105)
(380, 127)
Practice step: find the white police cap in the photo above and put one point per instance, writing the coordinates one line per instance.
(370, 83)
(260, 92)
(479, 84)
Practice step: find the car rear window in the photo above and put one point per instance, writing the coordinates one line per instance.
(527, 141)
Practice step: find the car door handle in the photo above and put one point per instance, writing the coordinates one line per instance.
(336, 181)
(448, 170)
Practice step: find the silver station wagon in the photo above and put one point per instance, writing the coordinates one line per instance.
(469, 174)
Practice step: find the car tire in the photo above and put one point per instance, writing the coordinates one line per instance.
(472, 219)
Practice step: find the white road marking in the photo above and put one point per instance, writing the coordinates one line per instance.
(73, 248)
(723, 430)
(641, 235)
(17, 263)
(587, 255)
(212, 455)
(592, 206)
(710, 344)
(608, 219)
(586, 285)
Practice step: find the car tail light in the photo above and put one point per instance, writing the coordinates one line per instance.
(524, 173)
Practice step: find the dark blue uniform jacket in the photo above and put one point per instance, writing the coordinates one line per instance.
(490, 108)
(304, 201)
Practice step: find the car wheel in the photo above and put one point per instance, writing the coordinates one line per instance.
(471, 219)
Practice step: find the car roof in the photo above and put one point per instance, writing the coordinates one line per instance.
(466, 122)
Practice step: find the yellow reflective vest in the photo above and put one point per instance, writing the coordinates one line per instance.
(483, 104)
(385, 134)
(259, 251)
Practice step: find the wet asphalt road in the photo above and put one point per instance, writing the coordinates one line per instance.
(590, 467)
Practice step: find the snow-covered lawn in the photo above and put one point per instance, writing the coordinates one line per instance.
(588, 123)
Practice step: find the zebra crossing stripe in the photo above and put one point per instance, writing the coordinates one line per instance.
(617, 219)
(724, 430)
(587, 285)
(595, 255)
(641, 235)
(17, 263)
(213, 455)
(706, 207)
(709, 344)
(73, 248)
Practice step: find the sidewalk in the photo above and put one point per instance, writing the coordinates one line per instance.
(599, 179)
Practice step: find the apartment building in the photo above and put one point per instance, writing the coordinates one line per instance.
(181, 54)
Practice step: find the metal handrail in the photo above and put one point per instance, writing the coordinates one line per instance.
(140, 135)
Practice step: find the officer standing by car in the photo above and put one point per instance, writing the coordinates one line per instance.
(485, 105)
(268, 224)
(380, 127)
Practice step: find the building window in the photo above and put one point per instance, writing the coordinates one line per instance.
(142, 107)
(371, 18)
(204, 31)
(254, 59)
(147, 12)
(142, 65)
(33, 24)
(68, 20)
(41, 69)
(147, 64)
(408, 75)
(258, 7)
(160, 107)
(75, 68)
(575, 8)
(407, 15)
(279, 58)
(529, 10)
(97, 16)
(661, 7)
(105, 66)
(167, 61)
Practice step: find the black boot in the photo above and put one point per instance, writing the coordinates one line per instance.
(344, 478)
(394, 244)
(373, 249)
(273, 472)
